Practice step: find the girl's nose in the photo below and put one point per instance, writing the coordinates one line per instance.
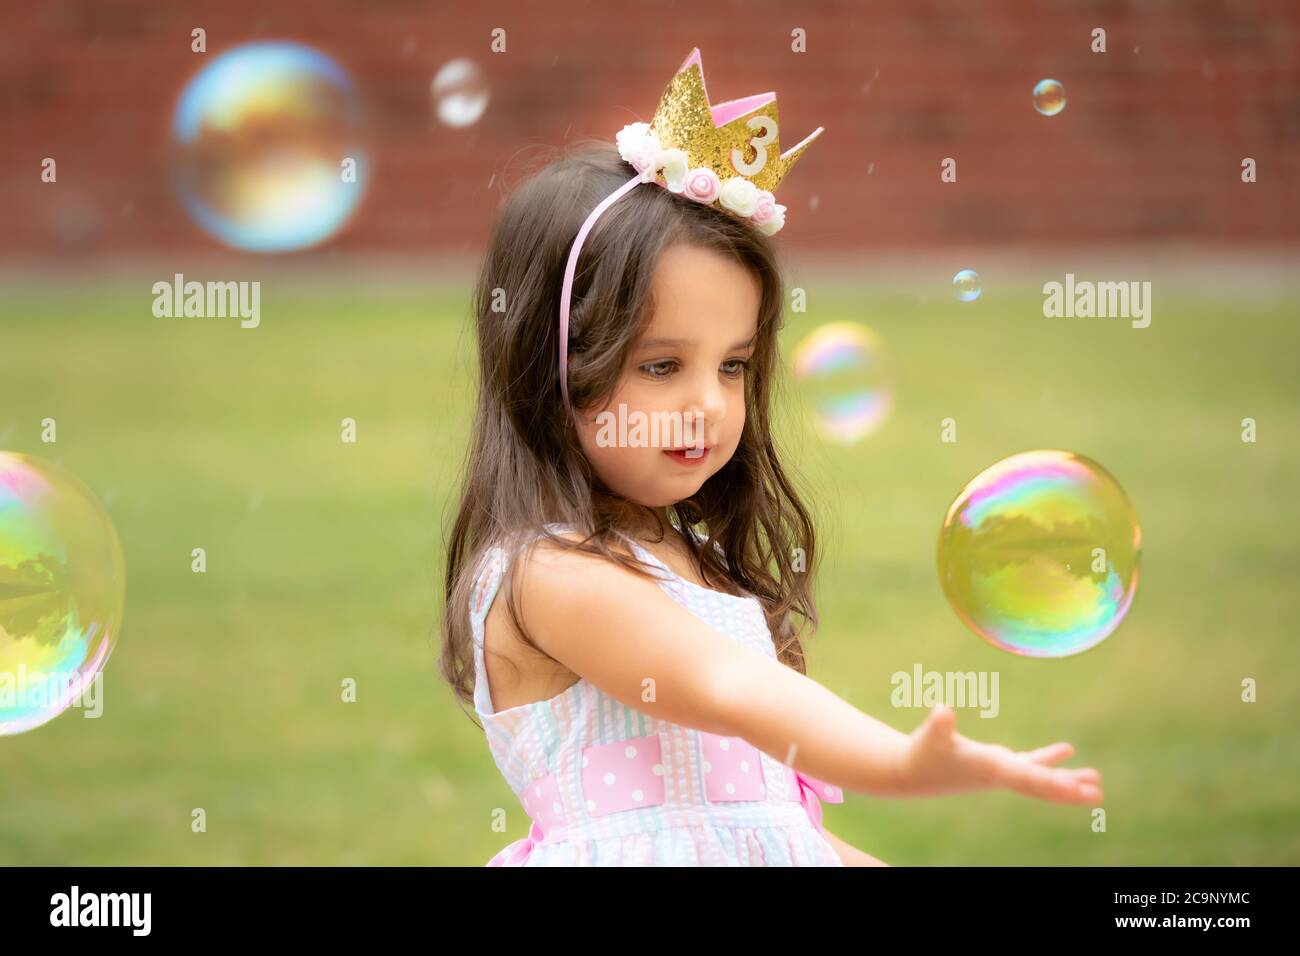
(707, 402)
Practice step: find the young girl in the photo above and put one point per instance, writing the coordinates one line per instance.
(642, 685)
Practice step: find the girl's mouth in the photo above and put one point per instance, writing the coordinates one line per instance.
(689, 457)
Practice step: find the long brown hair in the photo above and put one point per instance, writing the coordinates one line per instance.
(525, 467)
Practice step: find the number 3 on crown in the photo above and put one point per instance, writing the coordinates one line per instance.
(759, 142)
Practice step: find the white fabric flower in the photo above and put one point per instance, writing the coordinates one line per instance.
(740, 196)
(640, 147)
(628, 136)
(674, 163)
(776, 223)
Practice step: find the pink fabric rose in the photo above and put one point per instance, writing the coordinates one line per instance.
(766, 208)
(702, 185)
(644, 153)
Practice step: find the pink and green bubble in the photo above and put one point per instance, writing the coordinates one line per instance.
(62, 584)
(1039, 554)
(844, 373)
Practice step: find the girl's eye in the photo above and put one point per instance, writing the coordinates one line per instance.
(665, 368)
(650, 369)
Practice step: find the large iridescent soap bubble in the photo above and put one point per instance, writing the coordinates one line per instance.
(62, 585)
(845, 374)
(1039, 554)
(268, 143)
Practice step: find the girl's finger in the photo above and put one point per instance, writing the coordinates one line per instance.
(1051, 754)
(942, 720)
(936, 730)
(1057, 786)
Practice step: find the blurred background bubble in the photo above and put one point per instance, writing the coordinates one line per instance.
(460, 93)
(966, 285)
(1049, 97)
(845, 376)
(261, 137)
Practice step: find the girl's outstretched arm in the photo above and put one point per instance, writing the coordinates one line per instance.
(780, 711)
(621, 632)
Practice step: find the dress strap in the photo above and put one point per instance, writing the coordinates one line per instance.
(695, 536)
(671, 580)
(487, 583)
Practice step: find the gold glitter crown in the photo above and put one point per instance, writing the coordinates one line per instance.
(729, 154)
(738, 137)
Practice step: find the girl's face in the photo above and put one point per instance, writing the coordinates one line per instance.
(684, 384)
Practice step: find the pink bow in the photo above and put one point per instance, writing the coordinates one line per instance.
(516, 853)
(810, 789)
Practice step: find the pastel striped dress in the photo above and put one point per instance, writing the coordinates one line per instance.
(606, 785)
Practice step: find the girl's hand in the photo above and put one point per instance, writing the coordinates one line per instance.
(937, 760)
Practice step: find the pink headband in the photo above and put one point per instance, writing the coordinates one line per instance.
(738, 164)
(569, 269)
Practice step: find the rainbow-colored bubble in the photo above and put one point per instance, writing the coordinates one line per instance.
(1049, 97)
(1039, 554)
(845, 375)
(268, 151)
(62, 585)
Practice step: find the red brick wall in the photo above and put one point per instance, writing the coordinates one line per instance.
(1149, 144)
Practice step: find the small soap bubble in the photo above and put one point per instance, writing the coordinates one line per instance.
(1049, 97)
(966, 284)
(460, 93)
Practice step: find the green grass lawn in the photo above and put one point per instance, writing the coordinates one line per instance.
(323, 564)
